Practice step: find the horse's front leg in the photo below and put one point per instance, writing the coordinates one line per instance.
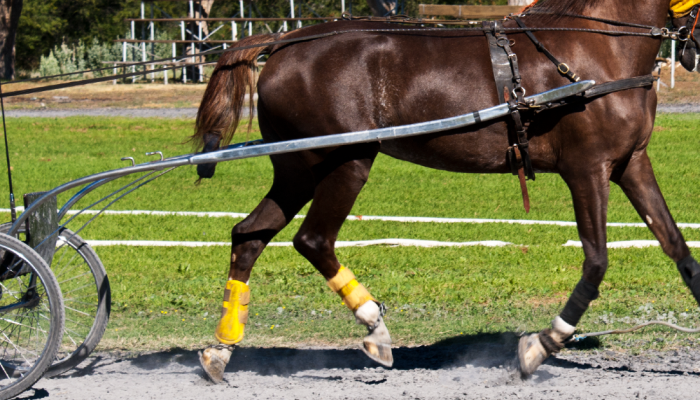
(589, 190)
(639, 184)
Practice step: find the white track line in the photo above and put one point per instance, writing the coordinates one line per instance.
(217, 214)
(625, 244)
(359, 243)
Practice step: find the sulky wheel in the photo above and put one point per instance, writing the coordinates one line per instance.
(86, 297)
(31, 317)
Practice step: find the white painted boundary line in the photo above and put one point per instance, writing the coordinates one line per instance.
(217, 214)
(629, 243)
(359, 243)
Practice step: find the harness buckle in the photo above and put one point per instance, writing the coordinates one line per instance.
(563, 68)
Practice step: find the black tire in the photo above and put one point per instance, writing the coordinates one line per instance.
(31, 320)
(93, 297)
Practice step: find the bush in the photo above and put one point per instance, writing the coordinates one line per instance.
(64, 60)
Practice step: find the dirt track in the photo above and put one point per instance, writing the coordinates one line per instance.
(483, 369)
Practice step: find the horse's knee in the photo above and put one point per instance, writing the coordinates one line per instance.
(311, 245)
(594, 268)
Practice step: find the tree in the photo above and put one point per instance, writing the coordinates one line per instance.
(10, 11)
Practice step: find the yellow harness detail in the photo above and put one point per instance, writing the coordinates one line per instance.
(234, 313)
(350, 290)
(681, 8)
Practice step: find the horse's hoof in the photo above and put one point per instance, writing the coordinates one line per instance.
(214, 360)
(377, 345)
(531, 354)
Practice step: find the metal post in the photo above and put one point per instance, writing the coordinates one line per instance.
(133, 37)
(143, 36)
(153, 37)
(115, 72)
(673, 64)
(201, 68)
(291, 6)
(242, 15)
(173, 60)
(250, 23)
(124, 58)
(342, 6)
(234, 31)
(184, 68)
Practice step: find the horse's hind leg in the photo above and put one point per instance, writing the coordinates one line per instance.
(341, 177)
(639, 184)
(291, 189)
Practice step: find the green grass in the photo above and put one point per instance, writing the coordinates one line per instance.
(432, 294)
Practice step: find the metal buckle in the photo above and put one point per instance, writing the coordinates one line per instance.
(561, 67)
(518, 89)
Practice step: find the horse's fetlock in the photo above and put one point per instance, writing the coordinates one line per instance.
(688, 268)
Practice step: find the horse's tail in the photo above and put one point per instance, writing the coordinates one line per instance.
(222, 104)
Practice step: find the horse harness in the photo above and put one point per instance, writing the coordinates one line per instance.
(508, 80)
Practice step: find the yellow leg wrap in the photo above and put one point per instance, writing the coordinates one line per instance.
(353, 293)
(234, 313)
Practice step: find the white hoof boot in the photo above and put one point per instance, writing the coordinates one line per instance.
(214, 360)
(377, 344)
(531, 354)
(535, 348)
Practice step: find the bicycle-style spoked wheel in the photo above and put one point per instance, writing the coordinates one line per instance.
(86, 298)
(31, 317)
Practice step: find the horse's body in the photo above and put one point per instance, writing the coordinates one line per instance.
(366, 80)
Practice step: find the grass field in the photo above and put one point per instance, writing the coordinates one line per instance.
(164, 297)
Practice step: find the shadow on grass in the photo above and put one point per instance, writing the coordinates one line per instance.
(488, 350)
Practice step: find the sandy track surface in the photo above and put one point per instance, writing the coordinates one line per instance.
(191, 113)
(443, 371)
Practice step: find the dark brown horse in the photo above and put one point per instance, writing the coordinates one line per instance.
(365, 80)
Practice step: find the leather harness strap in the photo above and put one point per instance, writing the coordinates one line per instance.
(619, 85)
(561, 67)
(506, 73)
